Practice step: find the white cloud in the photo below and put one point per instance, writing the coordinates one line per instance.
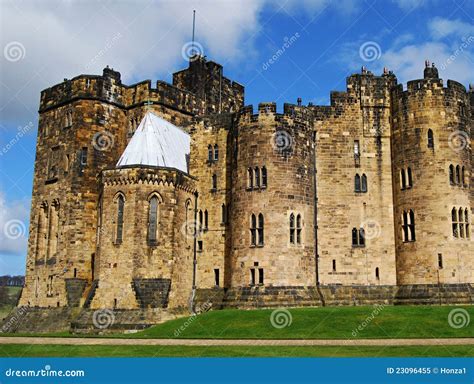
(405, 56)
(13, 226)
(313, 7)
(408, 62)
(409, 4)
(440, 28)
(141, 39)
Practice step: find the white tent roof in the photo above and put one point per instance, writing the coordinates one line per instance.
(157, 142)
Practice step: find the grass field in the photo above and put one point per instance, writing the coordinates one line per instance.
(7, 305)
(318, 323)
(16, 350)
(389, 322)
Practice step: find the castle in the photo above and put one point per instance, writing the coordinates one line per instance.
(174, 195)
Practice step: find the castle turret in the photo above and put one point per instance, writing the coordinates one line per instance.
(272, 208)
(431, 169)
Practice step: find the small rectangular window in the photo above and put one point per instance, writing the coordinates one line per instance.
(84, 156)
(356, 148)
(252, 276)
(260, 276)
(199, 246)
(440, 261)
(334, 265)
(216, 277)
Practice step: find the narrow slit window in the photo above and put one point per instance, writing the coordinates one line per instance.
(153, 220)
(253, 230)
(298, 229)
(260, 230)
(363, 184)
(119, 229)
(430, 139)
(292, 228)
(264, 177)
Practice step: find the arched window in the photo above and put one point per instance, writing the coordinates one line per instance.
(403, 182)
(209, 152)
(451, 174)
(463, 176)
(200, 219)
(206, 220)
(250, 177)
(264, 177)
(362, 237)
(152, 220)
(298, 229)
(355, 240)
(409, 178)
(216, 152)
(377, 273)
(430, 139)
(119, 227)
(260, 230)
(466, 221)
(454, 222)
(461, 222)
(357, 183)
(363, 184)
(257, 177)
(253, 230)
(458, 175)
(412, 225)
(214, 181)
(292, 228)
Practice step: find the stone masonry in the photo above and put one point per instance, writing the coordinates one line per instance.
(366, 200)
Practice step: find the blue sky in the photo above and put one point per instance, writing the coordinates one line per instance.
(44, 42)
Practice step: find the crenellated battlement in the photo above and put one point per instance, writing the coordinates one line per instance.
(109, 89)
(296, 113)
(149, 175)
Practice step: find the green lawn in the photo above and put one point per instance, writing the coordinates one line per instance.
(318, 323)
(309, 323)
(16, 350)
(7, 305)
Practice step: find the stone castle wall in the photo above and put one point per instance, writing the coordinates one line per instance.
(353, 139)
(436, 255)
(311, 155)
(282, 145)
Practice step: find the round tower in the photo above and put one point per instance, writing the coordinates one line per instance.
(272, 209)
(431, 171)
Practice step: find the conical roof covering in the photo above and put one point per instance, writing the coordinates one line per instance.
(157, 142)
